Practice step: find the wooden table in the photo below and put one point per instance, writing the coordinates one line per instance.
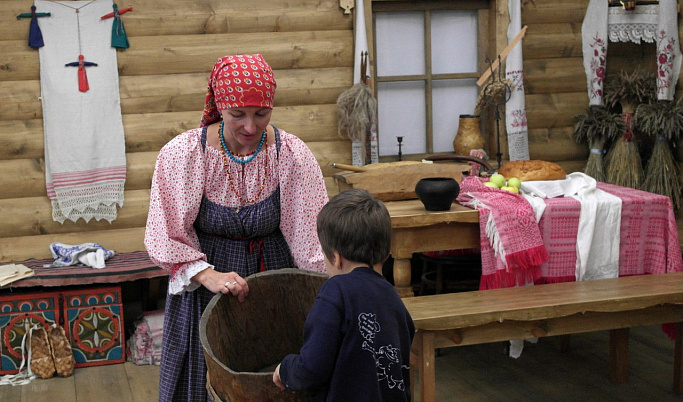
(416, 230)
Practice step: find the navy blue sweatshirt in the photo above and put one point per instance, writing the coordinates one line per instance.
(357, 340)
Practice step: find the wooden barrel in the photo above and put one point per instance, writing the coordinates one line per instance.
(244, 342)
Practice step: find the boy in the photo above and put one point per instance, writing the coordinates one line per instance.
(358, 334)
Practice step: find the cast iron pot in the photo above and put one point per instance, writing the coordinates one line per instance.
(437, 193)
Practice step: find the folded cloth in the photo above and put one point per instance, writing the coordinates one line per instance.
(13, 272)
(90, 254)
(144, 346)
(597, 245)
(511, 242)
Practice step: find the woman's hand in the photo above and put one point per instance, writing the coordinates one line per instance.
(276, 378)
(223, 282)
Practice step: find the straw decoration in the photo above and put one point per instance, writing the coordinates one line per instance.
(596, 127)
(662, 121)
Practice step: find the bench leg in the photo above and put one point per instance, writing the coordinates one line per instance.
(424, 342)
(618, 355)
(678, 360)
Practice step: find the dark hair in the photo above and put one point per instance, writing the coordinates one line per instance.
(357, 226)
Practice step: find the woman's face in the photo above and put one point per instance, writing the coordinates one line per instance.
(243, 127)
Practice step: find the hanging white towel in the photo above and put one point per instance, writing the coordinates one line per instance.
(85, 159)
(515, 109)
(597, 242)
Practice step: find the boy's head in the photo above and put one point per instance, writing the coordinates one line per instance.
(357, 226)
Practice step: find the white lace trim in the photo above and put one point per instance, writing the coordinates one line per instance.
(635, 25)
(182, 281)
(98, 201)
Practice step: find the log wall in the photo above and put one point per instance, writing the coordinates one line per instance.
(309, 43)
(162, 78)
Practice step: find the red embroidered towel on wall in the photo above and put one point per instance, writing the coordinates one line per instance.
(85, 157)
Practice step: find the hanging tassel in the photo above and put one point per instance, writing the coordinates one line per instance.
(35, 36)
(118, 31)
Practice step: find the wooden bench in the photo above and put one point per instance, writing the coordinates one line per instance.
(458, 319)
(122, 267)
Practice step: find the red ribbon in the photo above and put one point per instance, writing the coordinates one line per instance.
(257, 245)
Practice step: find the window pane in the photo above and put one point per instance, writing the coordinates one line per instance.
(401, 111)
(450, 99)
(454, 41)
(401, 43)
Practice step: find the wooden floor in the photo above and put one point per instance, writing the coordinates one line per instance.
(470, 373)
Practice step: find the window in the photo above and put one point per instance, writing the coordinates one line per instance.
(428, 56)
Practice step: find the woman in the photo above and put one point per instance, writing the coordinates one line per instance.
(229, 199)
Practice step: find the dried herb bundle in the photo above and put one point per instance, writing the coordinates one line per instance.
(664, 121)
(595, 127)
(598, 123)
(496, 92)
(357, 111)
(623, 165)
(660, 119)
(634, 88)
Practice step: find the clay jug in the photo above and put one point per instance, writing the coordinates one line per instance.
(469, 135)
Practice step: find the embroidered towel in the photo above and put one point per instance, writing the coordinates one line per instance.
(633, 25)
(515, 109)
(85, 159)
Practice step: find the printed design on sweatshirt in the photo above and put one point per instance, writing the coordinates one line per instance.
(387, 358)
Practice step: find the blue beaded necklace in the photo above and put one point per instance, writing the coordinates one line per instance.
(231, 155)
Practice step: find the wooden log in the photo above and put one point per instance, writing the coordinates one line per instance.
(30, 216)
(197, 53)
(149, 132)
(185, 92)
(24, 247)
(555, 110)
(544, 41)
(554, 75)
(28, 178)
(572, 11)
(177, 18)
(28, 175)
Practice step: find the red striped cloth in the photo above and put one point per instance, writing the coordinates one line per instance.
(649, 242)
(518, 234)
(121, 267)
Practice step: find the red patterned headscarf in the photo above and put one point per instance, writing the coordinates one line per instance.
(238, 81)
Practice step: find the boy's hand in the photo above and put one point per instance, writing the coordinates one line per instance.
(276, 378)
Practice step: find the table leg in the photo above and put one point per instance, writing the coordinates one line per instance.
(678, 360)
(618, 355)
(403, 277)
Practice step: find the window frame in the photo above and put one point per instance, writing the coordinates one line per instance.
(486, 26)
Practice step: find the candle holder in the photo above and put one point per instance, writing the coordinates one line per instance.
(400, 140)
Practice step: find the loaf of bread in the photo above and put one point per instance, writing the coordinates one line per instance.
(532, 170)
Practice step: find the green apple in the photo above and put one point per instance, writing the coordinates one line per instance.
(510, 189)
(514, 182)
(498, 179)
(490, 184)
